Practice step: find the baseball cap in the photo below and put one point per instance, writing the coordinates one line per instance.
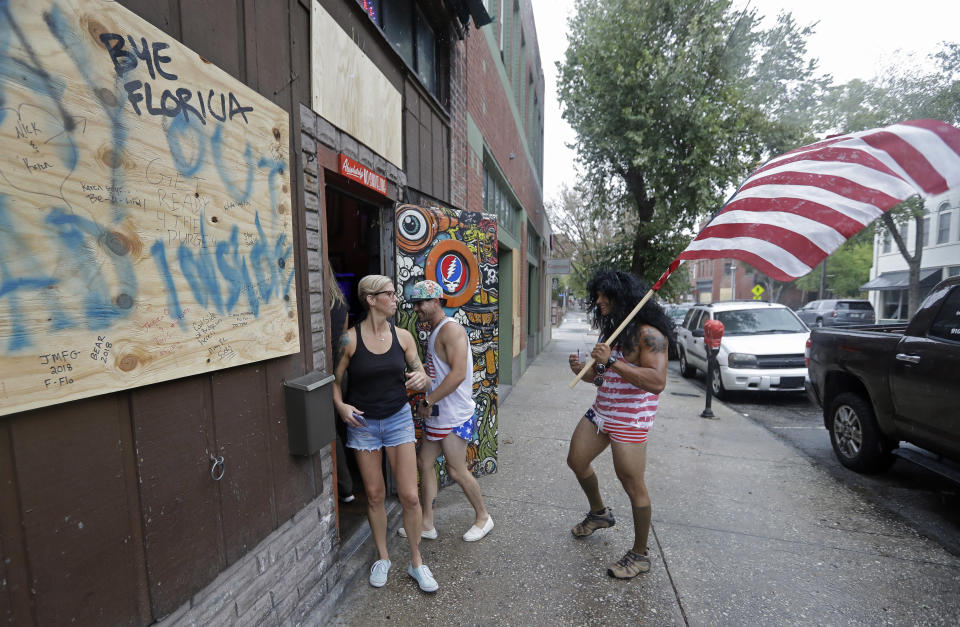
(425, 290)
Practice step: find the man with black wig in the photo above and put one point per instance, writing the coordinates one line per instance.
(629, 376)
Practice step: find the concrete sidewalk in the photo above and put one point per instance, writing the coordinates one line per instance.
(746, 530)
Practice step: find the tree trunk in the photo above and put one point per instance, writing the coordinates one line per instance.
(913, 293)
(638, 190)
(913, 261)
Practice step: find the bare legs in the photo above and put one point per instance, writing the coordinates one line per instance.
(629, 461)
(403, 462)
(454, 449)
(585, 445)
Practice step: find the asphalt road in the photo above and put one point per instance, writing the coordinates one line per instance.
(929, 503)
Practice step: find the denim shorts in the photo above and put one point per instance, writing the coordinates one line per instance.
(390, 431)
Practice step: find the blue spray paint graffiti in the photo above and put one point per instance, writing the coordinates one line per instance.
(100, 309)
(90, 262)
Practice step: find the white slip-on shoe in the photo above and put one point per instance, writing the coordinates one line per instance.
(429, 534)
(479, 533)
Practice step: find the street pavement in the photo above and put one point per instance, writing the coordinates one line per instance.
(746, 530)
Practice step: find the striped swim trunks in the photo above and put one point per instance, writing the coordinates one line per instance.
(621, 431)
(463, 431)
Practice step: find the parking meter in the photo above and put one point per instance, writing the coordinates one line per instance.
(712, 335)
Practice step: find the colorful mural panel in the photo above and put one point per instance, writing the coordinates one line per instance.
(458, 250)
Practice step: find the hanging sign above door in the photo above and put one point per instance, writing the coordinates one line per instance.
(362, 174)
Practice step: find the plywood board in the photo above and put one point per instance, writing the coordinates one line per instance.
(145, 214)
(342, 75)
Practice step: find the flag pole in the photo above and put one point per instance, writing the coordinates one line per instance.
(613, 336)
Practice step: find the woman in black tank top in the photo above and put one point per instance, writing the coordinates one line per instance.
(383, 364)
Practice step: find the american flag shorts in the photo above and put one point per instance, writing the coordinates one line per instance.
(622, 431)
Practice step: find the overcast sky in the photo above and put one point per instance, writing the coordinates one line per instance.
(854, 39)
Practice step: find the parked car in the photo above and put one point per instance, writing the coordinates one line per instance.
(762, 347)
(885, 385)
(837, 312)
(676, 312)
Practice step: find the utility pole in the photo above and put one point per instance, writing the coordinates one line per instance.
(823, 279)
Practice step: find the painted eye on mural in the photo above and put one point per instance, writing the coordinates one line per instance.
(413, 225)
(415, 229)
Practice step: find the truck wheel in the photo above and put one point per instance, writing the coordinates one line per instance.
(716, 384)
(686, 370)
(855, 436)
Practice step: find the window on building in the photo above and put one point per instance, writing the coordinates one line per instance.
(497, 200)
(925, 239)
(410, 33)
(533, 241)
(426, 54)
(953, 271)
(943, 224)
(397, 24)
(500, 21)
(887, 242)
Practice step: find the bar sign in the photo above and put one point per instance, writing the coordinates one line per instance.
(362, 174)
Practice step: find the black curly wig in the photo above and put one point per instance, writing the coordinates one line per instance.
(624, 292)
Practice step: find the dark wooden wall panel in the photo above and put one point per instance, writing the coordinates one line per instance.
(300, 53)
(411, 152)
(271, 23)
(440, 158)
(15, 608)
(246, 490)
(426, 157)
(70, 469)
(300, 93)
(294, 481)
(211, 28)
(173, 430)
(164, 14)
(134, 467)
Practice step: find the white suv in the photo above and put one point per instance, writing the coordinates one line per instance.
(762, 347)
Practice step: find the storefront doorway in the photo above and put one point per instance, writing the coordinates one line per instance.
(359, 242)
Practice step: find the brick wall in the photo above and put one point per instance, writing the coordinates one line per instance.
(489, 106)
(458, 128)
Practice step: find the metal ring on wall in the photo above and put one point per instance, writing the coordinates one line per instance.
(217, 462)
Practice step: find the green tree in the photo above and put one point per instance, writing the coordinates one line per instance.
(673, 102)
(596, 232)
(846, 269)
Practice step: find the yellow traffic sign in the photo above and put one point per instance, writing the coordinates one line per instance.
(757, 292)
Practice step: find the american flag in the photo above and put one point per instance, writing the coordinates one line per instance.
(799, 207)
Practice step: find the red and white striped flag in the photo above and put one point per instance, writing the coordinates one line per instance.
(799, 207)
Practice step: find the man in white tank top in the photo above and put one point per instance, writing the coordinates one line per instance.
(447, 410)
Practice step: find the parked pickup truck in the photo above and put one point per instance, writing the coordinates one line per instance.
(880, 386)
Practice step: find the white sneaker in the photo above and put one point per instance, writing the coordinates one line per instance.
(378, 573)
(429, 534)
(424, 578)
(479, 533)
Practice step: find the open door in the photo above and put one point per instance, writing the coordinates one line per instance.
(458, 250)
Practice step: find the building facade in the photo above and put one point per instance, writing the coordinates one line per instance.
(183, 494)
(889, 279)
